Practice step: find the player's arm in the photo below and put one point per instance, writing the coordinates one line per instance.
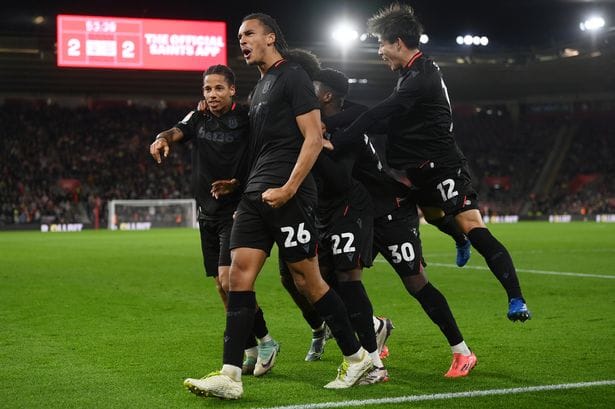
(402, 99)
(345, 117)
(310, 126)
(163, 143)
(354, 132)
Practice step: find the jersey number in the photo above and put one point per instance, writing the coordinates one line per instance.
(303, 236)
(337, 239)
(406, 252)
(449, 193)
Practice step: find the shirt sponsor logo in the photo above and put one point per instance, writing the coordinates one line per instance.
(217, 136)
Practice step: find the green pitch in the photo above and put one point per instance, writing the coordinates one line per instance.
(103, 319)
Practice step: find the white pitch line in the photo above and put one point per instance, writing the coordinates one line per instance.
(448, 395)
(526, 270)
(523, 270)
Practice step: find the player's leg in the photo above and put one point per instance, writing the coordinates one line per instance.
(259, 343)
(447, 225)
(251, 243)
(361, 313)
(297, 241)
(210, 249)
(398, 240)
(450, 190)
(498, 259)
(330, 307)
(316, 323)
(349, 243)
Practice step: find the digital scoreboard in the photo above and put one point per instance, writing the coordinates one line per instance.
(143, 44)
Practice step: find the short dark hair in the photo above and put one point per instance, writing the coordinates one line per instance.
(396, 21)
(223, 70)
(336, 81)
(270, 24)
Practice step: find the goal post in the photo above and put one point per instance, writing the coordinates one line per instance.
(150, 213)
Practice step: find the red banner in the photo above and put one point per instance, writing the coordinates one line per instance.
(145, 44)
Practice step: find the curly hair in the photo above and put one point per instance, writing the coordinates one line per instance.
(306, 59)
(396, 21)
(336, 81)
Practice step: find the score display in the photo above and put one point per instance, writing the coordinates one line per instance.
(143, 44)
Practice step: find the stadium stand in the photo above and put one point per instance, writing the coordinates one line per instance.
(60, 163)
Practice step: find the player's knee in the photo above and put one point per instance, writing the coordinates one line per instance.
(414, 283)
(469, 220)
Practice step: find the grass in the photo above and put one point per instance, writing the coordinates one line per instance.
(102, 319)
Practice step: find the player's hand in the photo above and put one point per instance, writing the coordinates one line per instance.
(223, 187)
(202, 106)
(158, 146)
(277, 197)
(326, 144)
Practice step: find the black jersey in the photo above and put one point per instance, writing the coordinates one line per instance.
(219, 152)
(281, 95)
(368, 169)
(420, 126)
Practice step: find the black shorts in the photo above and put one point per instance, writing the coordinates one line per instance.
(292, 226)
(215, 239)
(346, 243)
(397, 239)
(449, 189)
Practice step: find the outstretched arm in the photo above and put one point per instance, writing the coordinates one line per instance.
(163, 143)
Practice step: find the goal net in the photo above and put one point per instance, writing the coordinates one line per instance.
(146, 214)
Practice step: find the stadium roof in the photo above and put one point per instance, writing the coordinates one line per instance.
(509, 24)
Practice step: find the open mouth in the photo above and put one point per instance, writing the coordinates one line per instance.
(246, 53)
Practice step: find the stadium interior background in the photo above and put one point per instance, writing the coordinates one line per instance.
(533, 110)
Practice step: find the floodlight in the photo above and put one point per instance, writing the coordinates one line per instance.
(344, 34)
(459, 40)
(424, 39)
(592, 24)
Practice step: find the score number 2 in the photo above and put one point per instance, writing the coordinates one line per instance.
(74, 48)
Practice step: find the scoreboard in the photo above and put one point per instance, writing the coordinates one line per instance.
(144, 44)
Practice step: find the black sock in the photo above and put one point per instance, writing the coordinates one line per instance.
(498, 259)
(331, 308)
(436, 307)
(239, 324)
(310, 315)
(448, 226)
(251, 342)
(260, 326)
(360, 312)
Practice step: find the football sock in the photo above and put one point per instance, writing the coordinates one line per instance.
(375, 356)
(239, 324)
(356, 357)
(461, 348)
(436, 307)
(319, 332)
(448, 226)
(260, 326)
(360, 312)
(498, 259)
(251, 342)
(331, 308)
(232, 371)
(252, 352)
